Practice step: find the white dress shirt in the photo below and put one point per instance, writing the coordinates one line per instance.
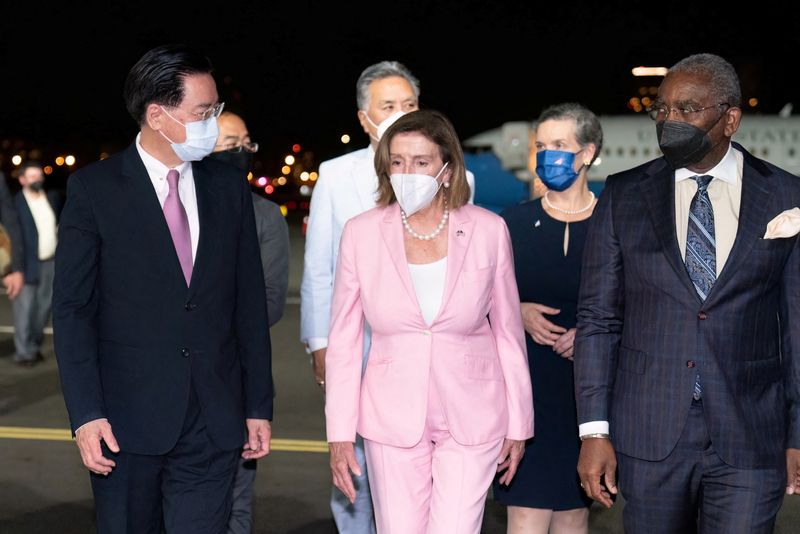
(45, 220)
(725, 193)
(158, 175)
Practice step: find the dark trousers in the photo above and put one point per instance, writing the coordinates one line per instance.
(185, 491)
(693, 490)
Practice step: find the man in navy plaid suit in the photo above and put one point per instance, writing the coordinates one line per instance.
(688, 336)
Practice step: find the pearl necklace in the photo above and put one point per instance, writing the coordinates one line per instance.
(425, 237)
(568, 212)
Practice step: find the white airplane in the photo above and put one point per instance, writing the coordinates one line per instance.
(630, 140)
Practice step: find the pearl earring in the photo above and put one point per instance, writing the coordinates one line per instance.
(446, 184)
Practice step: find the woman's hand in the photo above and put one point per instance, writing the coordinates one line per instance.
(510, 456)
(563, 347)
(343, 462)
(541, 330)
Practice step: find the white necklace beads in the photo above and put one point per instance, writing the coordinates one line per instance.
(568, 212)
(425, 237)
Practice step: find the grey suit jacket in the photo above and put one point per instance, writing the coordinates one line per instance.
(273, 240)
(643, 332)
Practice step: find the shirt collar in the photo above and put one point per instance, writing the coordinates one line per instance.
(726, 170)
(156, 169)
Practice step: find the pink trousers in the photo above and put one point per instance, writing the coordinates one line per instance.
(438, 486)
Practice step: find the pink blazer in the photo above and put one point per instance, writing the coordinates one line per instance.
(474, 351)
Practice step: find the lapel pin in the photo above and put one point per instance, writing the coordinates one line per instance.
(537, 224)
(459, 233)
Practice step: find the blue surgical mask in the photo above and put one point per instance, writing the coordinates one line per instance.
(556, 168)
(201, 136)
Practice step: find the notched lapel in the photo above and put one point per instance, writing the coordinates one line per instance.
(459, 236)
(753, 219)
(364, 180)
(659, 193)
(207, 213)
(392, 233)
(143, 199)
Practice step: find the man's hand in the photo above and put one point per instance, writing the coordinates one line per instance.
(510, 456)
(343, 462)
(88, 438)
(541, 330)
(13, 282)
(597, 459)
(792, 471)
(259, 432)
(318, 365)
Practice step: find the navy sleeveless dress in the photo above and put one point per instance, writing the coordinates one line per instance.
(547, 476)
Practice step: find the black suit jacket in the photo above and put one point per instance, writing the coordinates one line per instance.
(130, 337)
(30, 235)
(643, 332)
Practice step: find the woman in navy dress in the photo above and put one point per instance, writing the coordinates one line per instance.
(547, 237)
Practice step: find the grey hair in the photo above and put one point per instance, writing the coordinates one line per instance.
(379, 71)
(724, 81)
(587, 125)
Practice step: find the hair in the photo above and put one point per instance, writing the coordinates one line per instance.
(724, 81)
(379, 71)
(158, 78)
(439, 130)
(587, 125)
(30, 165)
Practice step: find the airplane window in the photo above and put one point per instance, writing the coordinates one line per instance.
(791, 152)
(633, 151)
(607, 151)
(646, 151)
(765, 151)
(620, 152)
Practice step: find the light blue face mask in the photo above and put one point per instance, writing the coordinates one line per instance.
(201, 136)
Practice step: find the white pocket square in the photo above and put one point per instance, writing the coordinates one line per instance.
(786, 224)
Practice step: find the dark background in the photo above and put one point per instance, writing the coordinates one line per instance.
(290, 67)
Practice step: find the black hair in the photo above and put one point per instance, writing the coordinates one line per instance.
(158, 77)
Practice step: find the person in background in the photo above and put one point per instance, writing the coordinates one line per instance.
(14, 279)
(445, 400)
(547, 237)
(234, 146)
(159, 312)
(38, 212)
(686, 354)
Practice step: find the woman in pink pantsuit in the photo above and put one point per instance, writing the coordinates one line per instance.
(445, 400)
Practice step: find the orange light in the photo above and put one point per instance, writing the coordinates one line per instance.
(269, 189)
(48, 169)
(295, 148)
(60, 161)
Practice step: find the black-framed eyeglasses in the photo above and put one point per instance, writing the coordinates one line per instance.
(213, 111)
(660, 112)
(244, 147)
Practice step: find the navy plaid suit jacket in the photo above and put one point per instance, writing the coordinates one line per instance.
(641, 323)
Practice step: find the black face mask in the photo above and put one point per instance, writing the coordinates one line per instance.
(683, 144)
(243, 160)
(36, 186)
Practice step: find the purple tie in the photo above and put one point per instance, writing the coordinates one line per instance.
(178, 224)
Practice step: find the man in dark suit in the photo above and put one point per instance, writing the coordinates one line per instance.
(688, 336)
(234, 146)
(38, 212)
(159, 313)
(13, 280)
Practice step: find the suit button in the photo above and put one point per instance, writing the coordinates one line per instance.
(189, 306)
(185, 352)
(702, 316)
(690, 364)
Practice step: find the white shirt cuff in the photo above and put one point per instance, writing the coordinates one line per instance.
(593, 427)
(92, 421)
(316, 343)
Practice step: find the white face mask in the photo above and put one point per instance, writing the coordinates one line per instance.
(384, 125)
(415, 191)
(201, 136)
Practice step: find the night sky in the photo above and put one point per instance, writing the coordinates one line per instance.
(290, 67)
